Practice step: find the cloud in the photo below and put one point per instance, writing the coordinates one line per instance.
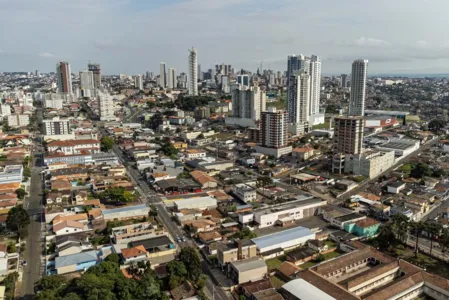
(369, 42)
(422, 44)
(47, 55)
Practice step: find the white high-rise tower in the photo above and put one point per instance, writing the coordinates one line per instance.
(299, 97)
(315, 85)
(87, 84)
(138, 82)
(162, 76)
(193, 72)
(358, 87)
(172, 81)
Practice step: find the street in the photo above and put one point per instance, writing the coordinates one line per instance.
(150, 197)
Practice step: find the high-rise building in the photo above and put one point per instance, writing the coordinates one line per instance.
(64, 77)
(172, 79)
(193, 72)
(296, 63)
(87, 83)
(348, 135)
(200, 73)
(106, 107)
(358, 87)
(298, 97)
(243, 79)
(138, 82)
(274, 129)
(344, 80)
(57, 126)
(348, 140)
(162, 76)
(315, 85)
(96, 70)
(248, 102)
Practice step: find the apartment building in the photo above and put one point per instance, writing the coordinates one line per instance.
(348, 139)
(106, 107)
(57, 126)
(18, 120)
(233, 251)
(369, 164)
(274, 133)
(244, 192)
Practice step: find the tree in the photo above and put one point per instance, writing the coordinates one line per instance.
(177, 268)
(52, 282)
(433, 230)
(436, 125)
(417, 228)
(189, 256)
(421, 170)
(168, 149)
(264, 181)
(443, 240)
(21, 193)
(106, 143)
(18, 220)
(400, 226)
(386, 237)
(245, 234)
(155, 120)
(113, 257)
(117, 194)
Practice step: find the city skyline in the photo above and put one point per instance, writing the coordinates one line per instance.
(394, 44)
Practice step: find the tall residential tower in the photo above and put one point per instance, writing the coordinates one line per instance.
(64, 77)
(193, 72)
(358, 87)
(162, 76)
(96, 70)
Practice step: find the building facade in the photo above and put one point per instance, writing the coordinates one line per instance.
(172, 80)
(358, 87)
(106, 107)
(193, 72)
(64, 77)
(57, 126)
(87, 86)
(162, 75)
(96, 70)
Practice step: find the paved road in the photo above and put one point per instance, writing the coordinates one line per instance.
(150, 197)
(34, 246)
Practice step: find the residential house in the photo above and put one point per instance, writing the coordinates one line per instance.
(304, 153)
(183, 291)
(74, 146)
(209, 237)
(317, 245)
(300, 255)
(395, 187)
(206, 181)
(134, 255)
(363, 228)
(57, 197)
(75, 262)
(68, 227)
(71, 244)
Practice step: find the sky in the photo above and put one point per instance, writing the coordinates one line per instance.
(134, 36)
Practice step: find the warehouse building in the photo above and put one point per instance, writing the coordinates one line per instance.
(195, 203)
(285, 213)
(284, 240)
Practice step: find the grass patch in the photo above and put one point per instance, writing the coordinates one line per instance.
(276, 281)
(280, 104)
(321, 126)
(327, 256)
(431, 264)
(330, 244)
(224, 136)
(275, 263)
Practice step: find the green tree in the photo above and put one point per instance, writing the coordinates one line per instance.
(117, 194)
(106, 143)
(113, 257)
(400, 226)
(421, 170)
(168, 149)
(245, 234)
(417, 228)
(155, 120)
(264, 181)
(18, 220)
(189, 256)
(386, 237)
(436, 125)
(433, 230)
(51, 282)
(21, 193)
(177, 268)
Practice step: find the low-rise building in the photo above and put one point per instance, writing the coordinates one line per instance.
(283, 240)
(363, 228)
(370, 163)
(75, 262)
(303, 153)
(127, 212)
(340, 221)
(134, 255)
(294, 210)
(246, 270)
(244, 192)
(233, 251)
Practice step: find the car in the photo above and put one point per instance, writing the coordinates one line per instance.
(179, 240)
(24, 263)
(184, 239)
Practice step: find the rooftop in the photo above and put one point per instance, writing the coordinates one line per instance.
(124, 209)
(283, 236)
(249, 264)
(74, 259)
